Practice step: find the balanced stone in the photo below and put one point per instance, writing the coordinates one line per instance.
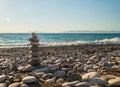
(34, 39)
(34, 35)
(34, 44)
(35, 53)
(34, 50)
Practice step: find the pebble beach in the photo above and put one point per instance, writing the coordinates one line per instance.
(88, 65)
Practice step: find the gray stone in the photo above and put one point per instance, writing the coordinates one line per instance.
(34, 62)
(98, 81)
(3, 85)
(29, 79)
(87, 67)
(39, 74)
(114, 82)
(90, 75)
(70, 84)
(15, 85)
(50, 81)
(34, 44)
(2, 78)
(108, 77)
(60, 73)
(74, 77)
(34, 40)
(80, 84)
(24, 85)
(34, 35)
(27, 68)
(45, 69)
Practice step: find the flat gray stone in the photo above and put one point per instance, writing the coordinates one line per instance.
(29, 79)
(15, 85)
(114, 82)
(90, 75)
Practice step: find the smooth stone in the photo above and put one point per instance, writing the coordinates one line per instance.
(83, 84)
(70, 84)
(90, 75)
(29, 79)
(34, 62)
(115, 68)
(87, 67)
(39, 74)
(108, 77)
(53, 67)
(91, 70)
(34, 39)
(60, 81)
(3, 78)
(47, 75)
(114, 82)
(34, 35)
(34, 53)
(3, 85)
(50, 81)
(98, 81)
(34, 43)
(74, 77)
(35, 48)
(60, 73)
(59, 60)
(24, 85)
(27, 68)
(15, 85)
(40, 70)
(106, 64)
(34, 84)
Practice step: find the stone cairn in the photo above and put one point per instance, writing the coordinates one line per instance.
(34, 50)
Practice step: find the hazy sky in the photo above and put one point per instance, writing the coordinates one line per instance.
(59, 15)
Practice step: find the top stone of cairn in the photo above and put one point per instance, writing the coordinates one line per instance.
(34, 35)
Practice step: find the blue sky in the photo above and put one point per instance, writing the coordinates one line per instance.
(59, 15)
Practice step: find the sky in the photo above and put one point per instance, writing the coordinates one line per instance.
(59, 15)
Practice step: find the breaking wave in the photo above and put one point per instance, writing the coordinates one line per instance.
(115, 40)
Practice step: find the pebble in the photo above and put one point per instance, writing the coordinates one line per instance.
(50, 81)
(60, 73)
(15, 85)
(90, 75)
(24, 85)
(3, 85)
(70, 84)
(40, 70)
(29, 79)
(83, 84)
(108, 77)
(114, 82)
(98, 81)
(3, 78)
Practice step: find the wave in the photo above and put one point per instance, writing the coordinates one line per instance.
(115, 40)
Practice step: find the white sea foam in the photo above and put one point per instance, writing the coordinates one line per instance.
(115, 40)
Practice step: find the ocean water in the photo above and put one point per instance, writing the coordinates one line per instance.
(57, 39)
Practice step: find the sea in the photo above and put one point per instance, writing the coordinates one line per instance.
(58, 39)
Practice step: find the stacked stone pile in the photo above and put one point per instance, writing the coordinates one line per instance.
(34, 50)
